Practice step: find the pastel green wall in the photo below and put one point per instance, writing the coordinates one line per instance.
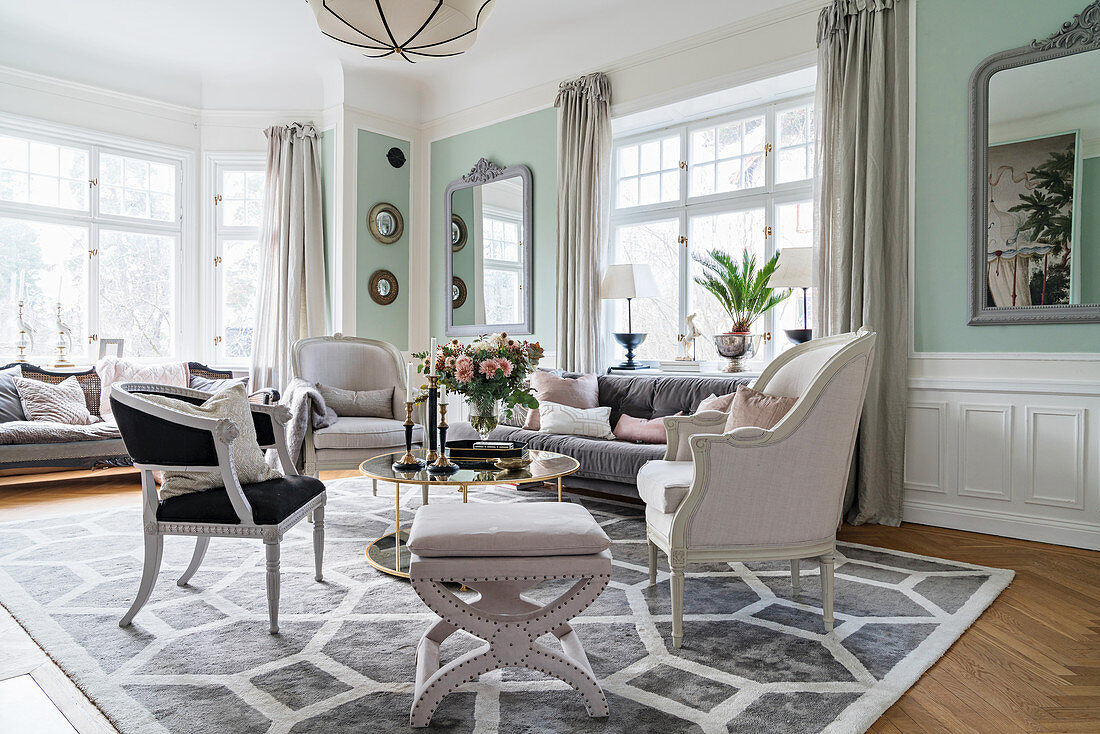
(531, 140)
(328, 214)
(462, 263)
(1089, 253)
(952, 38)
(378, 181)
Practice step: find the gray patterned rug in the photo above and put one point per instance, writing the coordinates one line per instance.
(199, 659)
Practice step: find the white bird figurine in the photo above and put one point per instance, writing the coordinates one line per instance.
(26, 331)
(64, 341)
(687, 340)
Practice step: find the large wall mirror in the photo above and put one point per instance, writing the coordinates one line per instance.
(1035, 180)
(488, 248)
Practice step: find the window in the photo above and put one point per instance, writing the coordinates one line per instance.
(738, 182)
(502, 263)
(96, 231)
(238, 207)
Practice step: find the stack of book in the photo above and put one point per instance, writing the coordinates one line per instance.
(679, 365)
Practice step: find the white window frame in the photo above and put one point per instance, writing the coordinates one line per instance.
(211, 317)
(85, 348)
(769, 197)
(514, 266)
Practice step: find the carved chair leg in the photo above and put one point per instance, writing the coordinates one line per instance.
(796, 580)
(827, 590)
(201, 544)
(424, 494)
(318, 540)
(374, 487)
(677, 583)
(652, 563)
(154, 551)
(272, 550)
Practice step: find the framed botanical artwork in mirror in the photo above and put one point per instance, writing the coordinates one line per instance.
(458, 233)
(385, 223)
(458, 292)
(383, 287)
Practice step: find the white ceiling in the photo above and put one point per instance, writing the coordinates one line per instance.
(269, 54)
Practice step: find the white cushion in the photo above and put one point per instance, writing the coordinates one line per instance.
(364, 433)
(490, 529)
(113, 369)
(567, 421)
(662, 485)
(659, 522)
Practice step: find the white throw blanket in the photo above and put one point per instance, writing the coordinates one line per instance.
(306, 407)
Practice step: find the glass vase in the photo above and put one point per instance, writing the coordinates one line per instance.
(484, 416)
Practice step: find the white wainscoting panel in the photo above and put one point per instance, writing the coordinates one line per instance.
(985, 451)
(1012, 457)
(925, 446)
(1056, 456)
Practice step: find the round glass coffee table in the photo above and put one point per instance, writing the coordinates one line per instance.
(389, 554)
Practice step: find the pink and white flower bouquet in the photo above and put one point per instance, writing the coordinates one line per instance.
(489, 371)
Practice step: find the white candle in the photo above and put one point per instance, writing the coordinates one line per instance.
(409, 383)
(431, 357)
(442, 394)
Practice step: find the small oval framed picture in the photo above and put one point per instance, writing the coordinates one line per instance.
(385, 223)
(458, 233)
(458, 292)
(383, 287)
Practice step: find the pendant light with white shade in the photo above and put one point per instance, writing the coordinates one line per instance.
(410, 29)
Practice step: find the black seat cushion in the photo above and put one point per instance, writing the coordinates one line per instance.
(272, 502)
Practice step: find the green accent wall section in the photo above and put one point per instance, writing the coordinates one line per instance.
(1088, 254)
(952, 38)
(328, 215)
(378, 181)
(530, 139)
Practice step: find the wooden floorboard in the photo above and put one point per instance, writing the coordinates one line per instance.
(1031, 663)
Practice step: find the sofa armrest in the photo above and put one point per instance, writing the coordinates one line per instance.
(680, 428)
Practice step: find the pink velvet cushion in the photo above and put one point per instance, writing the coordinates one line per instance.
(491, 529)
(573, 392)
(753, 408)
(716, 402)
(640, 430)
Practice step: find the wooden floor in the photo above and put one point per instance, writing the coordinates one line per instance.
(1031, 663)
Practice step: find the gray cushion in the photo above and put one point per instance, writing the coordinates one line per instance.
(213, 386)
(364, 433)
(10, 407)
(359, 403)
(491, 529)
(663, 485)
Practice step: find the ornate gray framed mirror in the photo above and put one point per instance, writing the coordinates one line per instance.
(495, 260)
(1035, 180)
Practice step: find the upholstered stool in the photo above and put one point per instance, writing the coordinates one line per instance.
(501, 551)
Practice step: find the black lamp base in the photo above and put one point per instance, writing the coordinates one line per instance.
(799, 336)
(630, 341)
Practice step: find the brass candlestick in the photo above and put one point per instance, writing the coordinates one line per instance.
(408, 462)
(443, 464)
(433, 399)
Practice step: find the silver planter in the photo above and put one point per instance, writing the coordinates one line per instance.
(736, 348)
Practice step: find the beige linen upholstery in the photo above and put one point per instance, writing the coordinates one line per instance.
(662, 485)
(759, 494)
(527, 529)
(352, 363)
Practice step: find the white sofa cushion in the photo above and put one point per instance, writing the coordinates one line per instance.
(501, 530)
(364, 433)
(568, 421)
(113, 369)
(662, 485)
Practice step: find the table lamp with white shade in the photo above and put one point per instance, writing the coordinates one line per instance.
(629, 281)
(795, 270)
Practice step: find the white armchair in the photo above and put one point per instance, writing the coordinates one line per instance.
(755, 494)
(352, 363)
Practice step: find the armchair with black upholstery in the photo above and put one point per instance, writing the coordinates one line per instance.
(159, 438)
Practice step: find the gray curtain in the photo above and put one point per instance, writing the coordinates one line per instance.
(861, 233)
(584, 166)
(291, 303)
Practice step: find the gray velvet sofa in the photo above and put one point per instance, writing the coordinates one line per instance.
(612, 466)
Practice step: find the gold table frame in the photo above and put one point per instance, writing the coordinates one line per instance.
(381, 469)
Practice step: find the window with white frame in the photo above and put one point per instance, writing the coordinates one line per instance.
(742, 181)
(95, 230)
(502, 263)
(238, 184)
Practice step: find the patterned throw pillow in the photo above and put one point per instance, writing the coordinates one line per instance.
(231, 403)
(113, 369)
(568, 421)
(60, 403)
(359, 403)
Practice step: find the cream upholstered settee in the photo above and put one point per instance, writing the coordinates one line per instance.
(352, 363)
(754, 494)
